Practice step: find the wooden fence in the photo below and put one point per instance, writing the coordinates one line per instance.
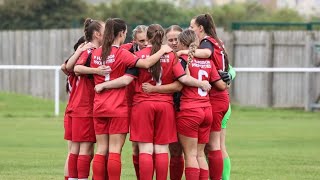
(39, 47)
(245, 48)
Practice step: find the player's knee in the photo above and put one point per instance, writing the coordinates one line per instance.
(86, 148)
(102, 149)
(161, 148)
(146, 148)
(75, 148)
(191, 155)
(200, 154)
(115, 148)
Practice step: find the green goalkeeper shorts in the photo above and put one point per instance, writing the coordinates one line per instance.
(226, 118)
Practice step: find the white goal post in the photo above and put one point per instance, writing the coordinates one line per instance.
(56, 69)
(35, 67)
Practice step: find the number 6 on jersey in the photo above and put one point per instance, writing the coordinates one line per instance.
(200, 74)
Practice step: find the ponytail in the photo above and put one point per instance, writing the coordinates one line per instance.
(108, 38)
(192, 49)
(112, 28)
(188, 38)
(155, 33)
(209, 27)
(90, 26)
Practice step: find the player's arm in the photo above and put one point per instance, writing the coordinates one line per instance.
(64, 69)
(191, 81)
(151, 60)
(227, 77)
(205, 50)
(165, 89)
(119, 82)
(199, 53)
(186, 78)
(73, 59)
(219, 85)
(101, 70)
(216, 80)
(113, 84)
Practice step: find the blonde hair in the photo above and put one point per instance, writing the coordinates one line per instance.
(138, 29)
(173, 28)
(188, 38)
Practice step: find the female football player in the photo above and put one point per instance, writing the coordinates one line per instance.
(110, 107)
(212, 47)
(195, 116)
(83, 135)
(153, 125)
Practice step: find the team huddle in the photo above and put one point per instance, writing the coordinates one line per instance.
(167, 88)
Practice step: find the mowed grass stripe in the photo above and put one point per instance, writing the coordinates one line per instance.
(262, 143)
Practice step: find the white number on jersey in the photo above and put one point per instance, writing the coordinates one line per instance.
(107, 77)
(223, 63)
(69, 86)
(200, 74)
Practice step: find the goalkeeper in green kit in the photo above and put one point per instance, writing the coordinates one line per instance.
(227, 77)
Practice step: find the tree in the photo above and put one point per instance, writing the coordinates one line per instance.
(39, 14)
(142, 12)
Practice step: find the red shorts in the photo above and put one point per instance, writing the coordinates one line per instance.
(82, 129)
(195, 123)
(219, 109)
(129, 113)
(111, 125)
(153, 122)
(67, 127)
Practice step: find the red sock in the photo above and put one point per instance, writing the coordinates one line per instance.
(99, 167)
(106, 170)
(215, 164)
(192, 173)
(204, 174)
(72, 165)
(114, 166)
(145, 166)
(135, 160)
(83, 166)
(161, 166)
(176, 167)
(66, 178)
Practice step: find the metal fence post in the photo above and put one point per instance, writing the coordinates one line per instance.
(56, 92)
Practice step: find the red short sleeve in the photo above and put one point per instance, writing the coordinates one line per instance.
(214, 75)
(127, 46)
(83, 57)
(178, 70)
(128, 58)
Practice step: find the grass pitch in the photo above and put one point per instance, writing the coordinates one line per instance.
(264, 144)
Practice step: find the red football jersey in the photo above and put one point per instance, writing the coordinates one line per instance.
(112, 102)
(171, 69)
(201, 69)
(71, 83)
(217, 58)
(127, 46)
(82, 105)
